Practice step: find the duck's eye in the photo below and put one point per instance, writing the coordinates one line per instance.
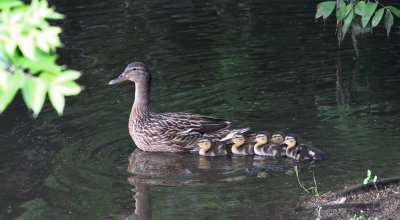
(134, 69)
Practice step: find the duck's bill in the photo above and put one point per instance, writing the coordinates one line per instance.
(119, 79)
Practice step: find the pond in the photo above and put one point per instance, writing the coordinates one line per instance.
(263, 64)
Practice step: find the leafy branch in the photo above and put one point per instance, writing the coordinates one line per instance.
(356, 16)
(28, 57)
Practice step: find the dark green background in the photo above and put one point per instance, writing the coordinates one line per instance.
(263, 64)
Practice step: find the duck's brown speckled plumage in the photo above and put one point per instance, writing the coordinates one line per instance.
(241, 146)
(302, 151)
(212, 148)
(268, 147)
(168, 132)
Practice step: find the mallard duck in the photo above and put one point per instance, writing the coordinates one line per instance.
(278, 137)
(167, 132)
(300, 150)
(209, 147)
(240, 146)
(266, 147)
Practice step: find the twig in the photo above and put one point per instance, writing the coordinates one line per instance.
(381, 182)
(339, 206)
(354, 38)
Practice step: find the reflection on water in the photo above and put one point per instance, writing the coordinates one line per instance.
(261, 64)
(156, 170)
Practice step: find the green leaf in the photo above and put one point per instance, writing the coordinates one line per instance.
(388, 21)
(41, 63)
(27, 46)
(347, 22)
(296, 170)
(369, 173)
(3, 79)
(10, 3)
(359, 9)
(51, 36)
(394, 10)
(34, 94)
(69, 88)
(341, 10)
(67, 75)
(348, 9)
(368, 12)
(55, 15)
(42, 43)
(324, 9)
(15, 82)
(377, 18)
(375, 178)
(16, 17)
(10, 46)
(357, 28)
(366, 180)
(57, 98)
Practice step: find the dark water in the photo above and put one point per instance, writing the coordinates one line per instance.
(263, 64)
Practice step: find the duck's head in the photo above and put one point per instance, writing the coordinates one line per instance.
(136, 72)
(278, 137)
(291, 140)
(262, 138)
(204, 143)
(238, 140)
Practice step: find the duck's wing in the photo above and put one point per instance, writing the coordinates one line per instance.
(186, 123)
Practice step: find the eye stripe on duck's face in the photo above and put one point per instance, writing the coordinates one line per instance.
(289, 138)
(203, 141)
(238, 137)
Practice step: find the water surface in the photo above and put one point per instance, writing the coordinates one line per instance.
(267, 65)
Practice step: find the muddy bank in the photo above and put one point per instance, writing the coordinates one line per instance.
(380, 200)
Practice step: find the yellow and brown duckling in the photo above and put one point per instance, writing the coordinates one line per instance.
(211, 148)
(168, 132)
(278, 137)
(266, 147)
(240, 146)
(300, 150)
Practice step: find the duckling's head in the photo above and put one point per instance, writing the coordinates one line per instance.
(278, 137)
(238, 140)
(291, 140)
(204, 144)
(136, 72)
(262, 138)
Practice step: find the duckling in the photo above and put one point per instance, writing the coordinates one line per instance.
(265, 147)
(278, 137)
(240, 146)
(301, 151)
(210, 148)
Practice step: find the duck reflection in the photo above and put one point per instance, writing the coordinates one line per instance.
(172, 169)
(181, 169)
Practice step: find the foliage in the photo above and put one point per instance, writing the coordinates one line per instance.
(314, 189)
(369, 177)
(356, 16)
(355, 217)
(28, 59)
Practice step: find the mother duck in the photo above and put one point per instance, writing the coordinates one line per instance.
(166, 132)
